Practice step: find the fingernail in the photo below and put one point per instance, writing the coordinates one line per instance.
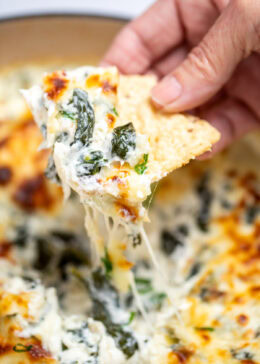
(167, 91)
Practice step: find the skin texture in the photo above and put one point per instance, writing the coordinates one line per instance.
(206, 56)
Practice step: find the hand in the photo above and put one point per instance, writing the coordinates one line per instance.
(206, 56)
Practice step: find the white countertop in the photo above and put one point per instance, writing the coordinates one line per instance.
(118, 8)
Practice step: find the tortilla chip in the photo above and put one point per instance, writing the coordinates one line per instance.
(175, 139)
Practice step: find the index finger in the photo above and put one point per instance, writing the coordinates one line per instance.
(146, 39)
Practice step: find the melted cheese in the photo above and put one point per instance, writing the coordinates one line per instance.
(205, 234)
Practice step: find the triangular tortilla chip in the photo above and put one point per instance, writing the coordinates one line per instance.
(175, 139)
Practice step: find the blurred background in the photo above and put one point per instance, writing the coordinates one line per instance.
(118, 8)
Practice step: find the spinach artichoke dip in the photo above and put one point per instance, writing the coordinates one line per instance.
(204, 231)
(104, 150)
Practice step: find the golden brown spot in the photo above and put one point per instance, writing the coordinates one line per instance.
(111, 120)
(239, 300)
(242, 320)
(248, 362)
(5, 175)
(5, 348)
(33, 193)
(107, 87)
(93, 81)
(205, 337)
(247, 182)
(125, 264)
(255, 291)
(182, 355)
(3, 142)
(5, 248)
(127, 212)
(231, 173)
(55, 84)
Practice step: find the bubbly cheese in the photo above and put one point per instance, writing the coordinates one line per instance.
(204, 232)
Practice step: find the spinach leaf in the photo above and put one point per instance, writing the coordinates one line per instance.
(170, 241)
(51, 172)
(204, 328)
(114, 110)
(206, 197)
(136, 239)
(98, 288)
(107, 263)
(85, 116)
(144, 285)
(91, 164)
(195, 269)
(157, 299)
(148, 201)
(131, 317)
(239, 354)
(123, 140)
(20, 348)
(142, 167)
(22, 237)
(44, 254)
(67, 114)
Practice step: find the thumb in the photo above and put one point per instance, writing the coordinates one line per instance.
(209, 65)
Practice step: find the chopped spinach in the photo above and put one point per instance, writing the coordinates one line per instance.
(44, 254)
(129, 299)
(62, 137)
(123, 140)
(50, 171)
(140, 168)
(206, 197)
(114, 110)
(136, 239)
(241, 354)
(79, 334)
(67, 114)
(20, 348)
(107, 263)
(85, 116)
(71, 256)
(144, 285)
(91, 164)
(157, 299)
(21, 237)
(195, 269)
(183, 229)
(148, 201)
(204, 329)
(169, 242)
(99, 287)
(123, 338)
(65, 236)
(43, 129)
(251, 213)
(131, 317)
(32, 283)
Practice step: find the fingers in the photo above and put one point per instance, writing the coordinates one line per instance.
(198, 17)
(233, 119)
(211, 63)
(146, 39)
(170, 62)
(244, 84)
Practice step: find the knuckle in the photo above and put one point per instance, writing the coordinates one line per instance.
(204, 64)
(248, 13)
